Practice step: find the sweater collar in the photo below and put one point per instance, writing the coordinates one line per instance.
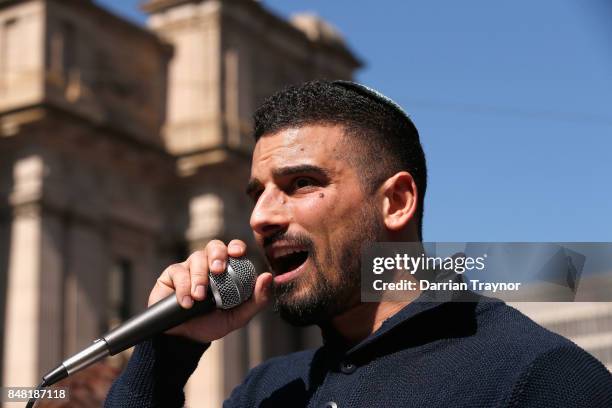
(426, 301)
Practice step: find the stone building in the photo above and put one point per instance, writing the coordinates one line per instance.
(123, 149)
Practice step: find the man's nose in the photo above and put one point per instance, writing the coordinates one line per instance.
(270, 214)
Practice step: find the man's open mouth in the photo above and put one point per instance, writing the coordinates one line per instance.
(283, 260)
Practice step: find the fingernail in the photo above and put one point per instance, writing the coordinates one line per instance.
(218, 265)
(187, 301)
(235, 247)
(199, 291)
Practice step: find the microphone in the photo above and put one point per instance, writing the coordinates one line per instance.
(226, 290)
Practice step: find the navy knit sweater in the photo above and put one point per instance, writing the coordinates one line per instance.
(472, 354)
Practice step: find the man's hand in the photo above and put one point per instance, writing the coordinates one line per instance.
(189, 281)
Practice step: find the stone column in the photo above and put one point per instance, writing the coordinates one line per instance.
(23, 303)
(34, 283)
(206, 386)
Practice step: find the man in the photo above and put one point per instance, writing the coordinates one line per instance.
(337, 165)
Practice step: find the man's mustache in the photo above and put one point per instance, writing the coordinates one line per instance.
(292, 239)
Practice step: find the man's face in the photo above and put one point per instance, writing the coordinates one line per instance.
(311, 217)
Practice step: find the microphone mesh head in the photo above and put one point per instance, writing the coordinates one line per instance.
(235, 285)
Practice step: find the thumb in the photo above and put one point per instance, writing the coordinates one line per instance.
(262, 294)
(263, 290)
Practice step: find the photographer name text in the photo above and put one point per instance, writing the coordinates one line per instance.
(473, 284)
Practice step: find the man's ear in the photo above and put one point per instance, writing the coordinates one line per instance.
(399, 200)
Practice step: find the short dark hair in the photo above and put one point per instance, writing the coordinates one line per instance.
(389, 141)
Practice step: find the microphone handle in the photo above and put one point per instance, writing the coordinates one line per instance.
(158, 318)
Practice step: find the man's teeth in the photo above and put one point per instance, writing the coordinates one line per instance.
(286, 251)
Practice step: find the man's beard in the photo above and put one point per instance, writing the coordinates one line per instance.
(327, 298)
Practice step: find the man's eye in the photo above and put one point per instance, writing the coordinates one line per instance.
(302, 182)
(255, 196)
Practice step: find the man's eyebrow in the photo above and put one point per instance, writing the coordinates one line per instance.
(299, 169)
(254, 184)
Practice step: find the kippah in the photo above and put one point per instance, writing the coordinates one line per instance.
(373, 94)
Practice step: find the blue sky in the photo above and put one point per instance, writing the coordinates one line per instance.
(513, 101)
